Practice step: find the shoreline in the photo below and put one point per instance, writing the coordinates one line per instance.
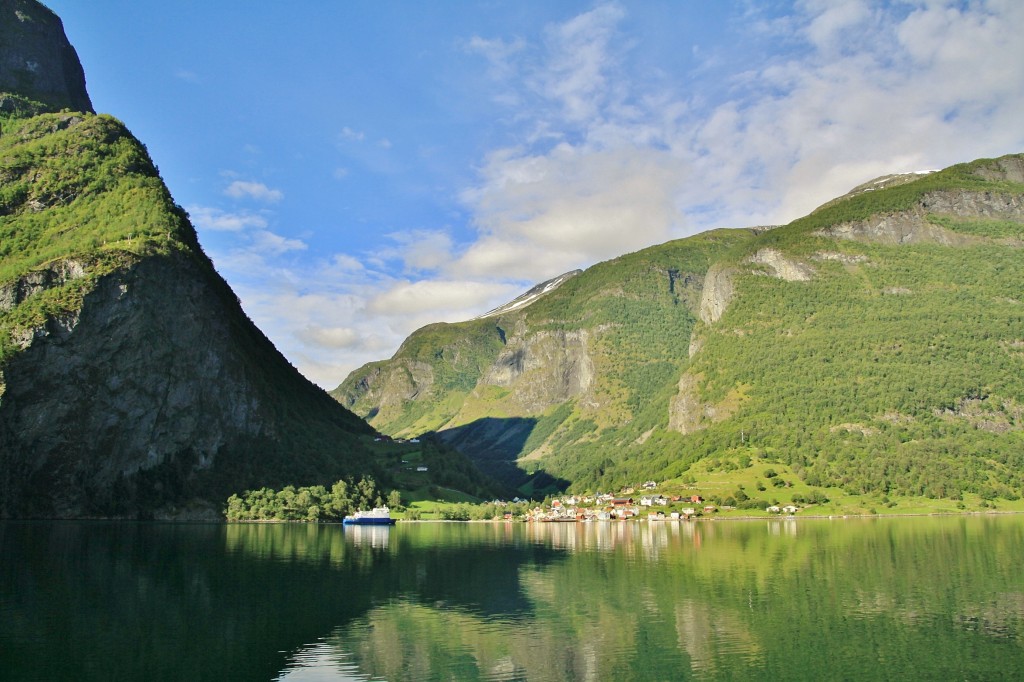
(698, 519)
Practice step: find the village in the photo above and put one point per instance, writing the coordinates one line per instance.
(650, 505)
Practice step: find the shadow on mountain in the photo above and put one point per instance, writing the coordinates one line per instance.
(495, 446)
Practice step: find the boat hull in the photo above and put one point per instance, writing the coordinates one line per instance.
(367, 522)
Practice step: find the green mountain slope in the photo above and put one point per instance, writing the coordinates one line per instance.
(876, 344)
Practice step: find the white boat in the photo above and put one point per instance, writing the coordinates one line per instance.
(378, 516)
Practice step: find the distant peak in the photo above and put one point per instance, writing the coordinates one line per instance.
(39, 69)
(532, 295)
(882, 182)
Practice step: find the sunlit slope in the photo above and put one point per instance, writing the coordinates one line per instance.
(876, 344)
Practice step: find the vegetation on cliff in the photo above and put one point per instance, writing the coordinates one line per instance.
(131, 382)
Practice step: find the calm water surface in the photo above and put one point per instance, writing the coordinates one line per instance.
(921, 598)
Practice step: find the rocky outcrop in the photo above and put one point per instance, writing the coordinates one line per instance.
(37, 63)
(387, 387)
(915, 227)
(689, 413)
(1007, 168)
(782, 267)
(716, 293)
(545, 368)
(54, 274)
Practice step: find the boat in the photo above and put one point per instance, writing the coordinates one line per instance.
(378, 516)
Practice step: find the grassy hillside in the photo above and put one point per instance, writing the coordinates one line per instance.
(876, 345)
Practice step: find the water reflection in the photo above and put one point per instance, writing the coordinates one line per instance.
(931, 598)
(374, 537)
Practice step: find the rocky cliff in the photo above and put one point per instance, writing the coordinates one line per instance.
(131, 382)
(39, 69)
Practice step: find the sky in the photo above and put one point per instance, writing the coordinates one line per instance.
(359, 169)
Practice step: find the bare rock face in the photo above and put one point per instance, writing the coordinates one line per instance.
(544, 368)
(37, 62)
(1009, 168)
(389, 387)
(782, 267)
(914, 227)
(688, 413)
(716, 293)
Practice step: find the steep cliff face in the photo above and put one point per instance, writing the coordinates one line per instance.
(155, 393)
(39, 69)
(543, 369)
(131, 382)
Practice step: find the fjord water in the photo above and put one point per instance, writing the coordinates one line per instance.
(913, 598)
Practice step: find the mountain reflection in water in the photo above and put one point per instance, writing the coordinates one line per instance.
(929, 598)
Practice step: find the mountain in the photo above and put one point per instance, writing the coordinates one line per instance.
(131, 381)
(39, 69)
(875, 345)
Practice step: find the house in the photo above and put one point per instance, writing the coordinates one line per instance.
(649, 485)
(622, 501)
(646, 501)
(689, 511)
(421, 468)
(710, 509)
(696, 499)
(790, 509)
(774, 509)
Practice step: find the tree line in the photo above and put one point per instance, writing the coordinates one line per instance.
(311, 503)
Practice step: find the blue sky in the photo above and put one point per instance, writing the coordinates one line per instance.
(359, 169)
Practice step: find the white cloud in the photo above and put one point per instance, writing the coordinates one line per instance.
(420, 250)
(449, 299)
(266, 242)
(346, 263)
(353, 135)
(541, 215)
(578, 58)
(209, 218)
(334, 338)
(240, 189)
